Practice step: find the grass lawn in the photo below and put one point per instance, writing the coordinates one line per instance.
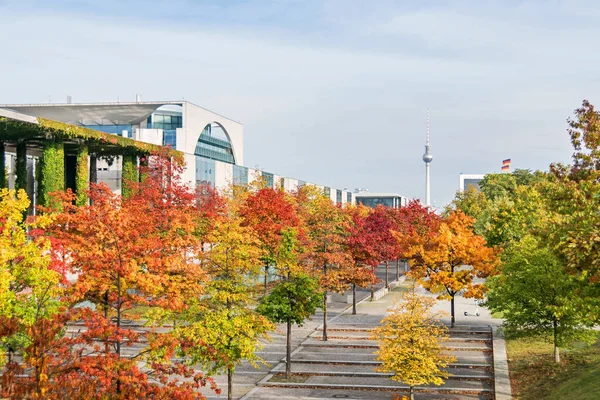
(534, 375)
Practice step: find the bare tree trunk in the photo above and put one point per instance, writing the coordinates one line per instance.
(387, 286)
(325, 306)
(229, 384)
(412, 393)
(452, 311)
(398, 269)
(266, 278)
(288, 351)
(372, 288)
(353, 299)
(556, 350)
(325, 316)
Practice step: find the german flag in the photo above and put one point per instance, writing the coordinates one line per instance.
(506, 164)
(505, 167)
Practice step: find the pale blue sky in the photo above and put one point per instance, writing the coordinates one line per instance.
(332, 92)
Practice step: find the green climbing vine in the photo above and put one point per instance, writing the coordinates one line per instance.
(98, 142)
(81, 176)
(3, 172)
(129, 175)
(52, 171)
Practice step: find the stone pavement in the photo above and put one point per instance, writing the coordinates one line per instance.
(344, 366)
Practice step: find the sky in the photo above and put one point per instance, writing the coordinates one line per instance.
(331, 92)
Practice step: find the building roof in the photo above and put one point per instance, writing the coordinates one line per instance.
(103, 113)
(91, 113)
(35, 130)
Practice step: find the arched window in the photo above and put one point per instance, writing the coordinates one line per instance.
(214, 144)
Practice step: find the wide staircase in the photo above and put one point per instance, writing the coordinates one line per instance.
(345, 366)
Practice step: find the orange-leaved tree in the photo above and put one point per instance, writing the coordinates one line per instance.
(134, 259)
(327, 230)
(448, 261)
(362, 251)
(269, 212)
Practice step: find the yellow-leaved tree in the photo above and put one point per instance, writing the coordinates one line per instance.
(411, 343)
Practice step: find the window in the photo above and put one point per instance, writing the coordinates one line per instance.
(268, 177)
(214, 148)
(327, 192)
(170, 138)
(240, 175)
(349, 198)
(205, 171)
(338, 196)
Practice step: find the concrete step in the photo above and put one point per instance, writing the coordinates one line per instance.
(342, 393)
(462, 357)
(353, 343)
(369, 371)
(383, 384)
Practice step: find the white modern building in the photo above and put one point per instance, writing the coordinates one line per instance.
(466, 180)
(213, 145)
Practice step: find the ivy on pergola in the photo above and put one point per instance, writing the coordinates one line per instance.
(53, 137)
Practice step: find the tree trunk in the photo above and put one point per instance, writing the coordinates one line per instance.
(556, 350)
(372, 293)
(398, 269)
(229, 384)
(412, 393)
(325, 316)
(452, 312)
(288, 350)
(387, 286)
(353, 299)
(266, 278)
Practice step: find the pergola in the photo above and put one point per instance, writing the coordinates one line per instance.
(56, 142)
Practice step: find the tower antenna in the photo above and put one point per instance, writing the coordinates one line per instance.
(427, 158)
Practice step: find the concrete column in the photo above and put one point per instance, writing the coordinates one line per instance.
(93, 168)
(52, 171)
(21, 167)
(82, 176)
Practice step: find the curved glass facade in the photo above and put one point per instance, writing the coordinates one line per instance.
(214, 148)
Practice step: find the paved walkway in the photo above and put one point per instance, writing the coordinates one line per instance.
(344, 366)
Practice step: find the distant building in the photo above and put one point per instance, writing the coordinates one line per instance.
(466, 180)
(392, 200)
(212, 145)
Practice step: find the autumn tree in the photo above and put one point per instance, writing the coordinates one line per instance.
(223, 325)
(410, 343)
(30, 300)
(327, 229)
(129, 254)
(538, 297)
(379, 223)
(269, 212)
(448, 262)
(471, 201)
(575, 197)
(292, 300)
(361, 250)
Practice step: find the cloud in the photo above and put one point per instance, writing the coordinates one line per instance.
(331, 92)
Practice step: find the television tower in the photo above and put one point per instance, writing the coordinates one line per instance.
(427, 158)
